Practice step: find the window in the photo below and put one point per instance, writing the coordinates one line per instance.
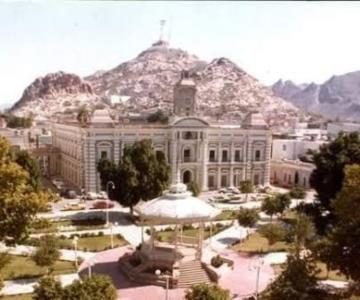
(187, 155)
(237, 155)
(103, 155)
(284, 147)
(159, 154)
(224, 156)
(257, 155)
(212, 155)
(211, 182)
(224, 180)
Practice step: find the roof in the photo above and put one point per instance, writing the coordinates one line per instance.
(101, 116)
(254, 120)
(177, 206)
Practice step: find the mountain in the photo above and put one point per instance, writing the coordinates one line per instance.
(55, 93)
(145, 83)
(336, 98)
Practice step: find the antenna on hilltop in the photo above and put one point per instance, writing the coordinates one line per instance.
(170, 29)
(162, 24)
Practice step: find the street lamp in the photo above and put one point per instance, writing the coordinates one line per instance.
(111, 234)
(75, 243)
(256, 265)
(112, 185)
(91, 263)
(167, 278)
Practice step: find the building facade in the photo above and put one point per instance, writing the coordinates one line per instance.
(289, 173)
(212, 154)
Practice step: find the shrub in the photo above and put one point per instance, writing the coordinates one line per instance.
(100, 233)
(207, 291)
(217, 261)
(247, 217)
(48, 289)
(297, 193)
(148, 231)
(194, 188)
(48, 251)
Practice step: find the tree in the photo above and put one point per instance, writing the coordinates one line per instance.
(140, 175)
(246, 187)
(204, 291)
(297, 281)
(283, 201)
(30, 165)
(302, 231)
(158, 116)
(194, 188)
(247, 217)
(83, 115)
(97, 287)
(297, 192)
(273, 233)
(19, 201)
(344, 239)
(48, 289)
(327, 178)
(270, 206)
(48, 251)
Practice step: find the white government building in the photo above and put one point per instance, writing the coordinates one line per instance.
(214, 155)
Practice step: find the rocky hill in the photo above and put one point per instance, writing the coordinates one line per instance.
(55, 93)
(146, 82)
(338, 97)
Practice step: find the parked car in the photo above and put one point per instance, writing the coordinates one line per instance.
(91, 196)
(102, 204)
(68, 193)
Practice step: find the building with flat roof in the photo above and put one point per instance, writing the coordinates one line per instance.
(212, 154)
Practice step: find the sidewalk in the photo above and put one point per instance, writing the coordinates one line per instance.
(25, 286)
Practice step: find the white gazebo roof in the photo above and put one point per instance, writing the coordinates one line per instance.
(177, 206)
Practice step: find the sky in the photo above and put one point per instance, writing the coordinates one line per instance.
(300, 41)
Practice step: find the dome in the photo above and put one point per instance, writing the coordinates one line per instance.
(177, 206)
(101, 116)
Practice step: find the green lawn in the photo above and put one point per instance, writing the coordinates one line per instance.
(24, 267)
(258, 244)
(93, 243)
(227, 215)
(17, 297)
(322, 275)
(77, 225)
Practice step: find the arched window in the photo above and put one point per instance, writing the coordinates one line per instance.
(186, 177)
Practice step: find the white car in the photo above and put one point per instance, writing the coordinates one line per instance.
(91, 196)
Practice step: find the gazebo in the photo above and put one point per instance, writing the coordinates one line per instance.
(180, 258)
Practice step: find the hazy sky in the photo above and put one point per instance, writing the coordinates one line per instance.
(301, 41)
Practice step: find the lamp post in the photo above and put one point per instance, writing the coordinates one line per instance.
(256, 265)
(112, 234)
(112, 185)
(167, 277)
(91, 263)
(75, 242)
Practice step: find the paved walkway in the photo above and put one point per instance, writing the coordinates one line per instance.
(68, 255)
(25, 286)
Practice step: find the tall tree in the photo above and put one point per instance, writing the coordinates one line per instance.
(30, 165)
(140, 175)
(297, 281)
(344, 239)
(83, 115)
(273, 233)
(302, 231)
(328, 176)
(19, 203)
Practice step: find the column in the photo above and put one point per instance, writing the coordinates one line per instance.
(267, 158)
(231, 176)
(204, 164)
(218, 177)
(248, 159)
(173, 156)
(116, 150)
